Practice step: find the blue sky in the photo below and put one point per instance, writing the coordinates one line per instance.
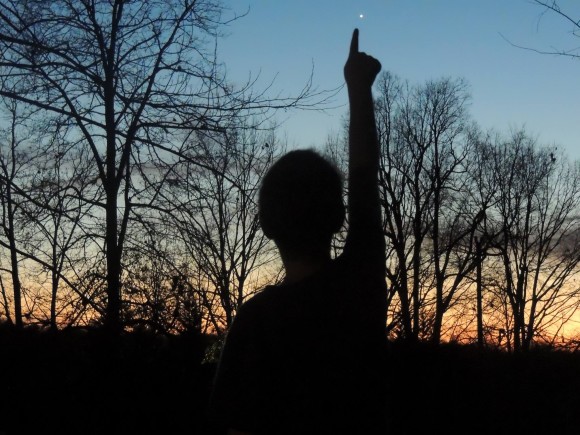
(417, 40)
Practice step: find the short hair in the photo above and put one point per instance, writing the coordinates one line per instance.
(301, 202)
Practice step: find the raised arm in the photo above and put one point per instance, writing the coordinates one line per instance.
(365, 238)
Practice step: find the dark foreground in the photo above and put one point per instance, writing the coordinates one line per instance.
(81, 382)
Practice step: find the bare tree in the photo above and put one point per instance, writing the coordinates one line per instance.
(197, 224)
(14, 161)
(217, 219)
(45, 192)
(157, 279)
(537, 222)
(125, 76)
(573, 28)
(60, 189)
(425, 138)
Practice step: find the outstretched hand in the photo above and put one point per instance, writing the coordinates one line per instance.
(360, 69)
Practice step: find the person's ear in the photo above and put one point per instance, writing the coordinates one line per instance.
(265, 228)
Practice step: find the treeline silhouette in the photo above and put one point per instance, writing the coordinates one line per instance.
(87, 382)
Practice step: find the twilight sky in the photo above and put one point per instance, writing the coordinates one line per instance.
(417, 40)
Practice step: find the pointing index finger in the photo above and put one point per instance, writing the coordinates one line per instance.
(354, 42)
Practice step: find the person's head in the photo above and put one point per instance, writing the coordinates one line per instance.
(301, 205)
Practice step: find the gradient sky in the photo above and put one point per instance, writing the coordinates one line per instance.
(417, 40)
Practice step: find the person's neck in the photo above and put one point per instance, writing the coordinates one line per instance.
(299, 268)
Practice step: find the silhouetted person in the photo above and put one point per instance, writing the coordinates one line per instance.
(307, 356)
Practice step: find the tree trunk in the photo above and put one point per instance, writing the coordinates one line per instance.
(479, 259)
(113, 310)
(437, 323)
(416, 297)
(14, 269)
(407, 332)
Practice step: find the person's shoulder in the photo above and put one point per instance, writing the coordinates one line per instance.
(273, 300)
(258, 301)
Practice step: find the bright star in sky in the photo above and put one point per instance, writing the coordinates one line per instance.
(361, 16)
